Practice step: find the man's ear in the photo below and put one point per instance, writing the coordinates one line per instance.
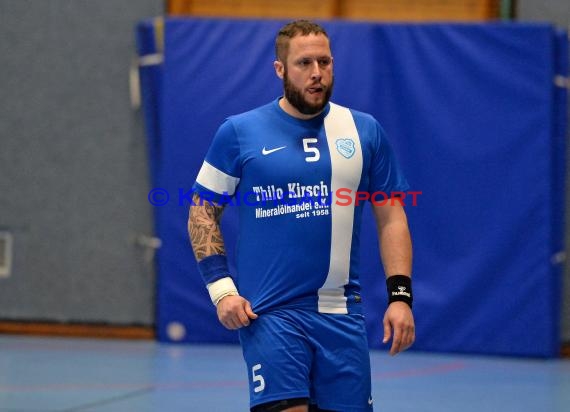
(279, 69)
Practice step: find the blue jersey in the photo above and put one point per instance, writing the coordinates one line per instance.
(294, 182)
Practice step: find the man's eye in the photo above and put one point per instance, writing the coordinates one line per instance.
(321, 61)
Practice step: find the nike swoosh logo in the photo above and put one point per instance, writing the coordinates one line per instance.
(265, 151)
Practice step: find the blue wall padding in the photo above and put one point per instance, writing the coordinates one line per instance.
(478, 125)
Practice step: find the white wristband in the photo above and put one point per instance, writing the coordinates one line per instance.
(221, 288)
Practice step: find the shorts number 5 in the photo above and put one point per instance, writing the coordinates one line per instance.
(257, 378)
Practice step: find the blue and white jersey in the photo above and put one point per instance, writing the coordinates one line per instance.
(294, 182)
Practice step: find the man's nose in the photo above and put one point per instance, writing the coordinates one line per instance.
(316, 73)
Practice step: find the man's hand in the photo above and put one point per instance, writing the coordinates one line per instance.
(234, 312)
(399, 318)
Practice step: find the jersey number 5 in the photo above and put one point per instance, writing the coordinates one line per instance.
(257, 378)
(315, 154)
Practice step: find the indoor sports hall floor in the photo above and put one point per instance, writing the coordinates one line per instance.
(55, 374)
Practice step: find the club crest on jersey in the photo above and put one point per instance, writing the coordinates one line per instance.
(345, 147)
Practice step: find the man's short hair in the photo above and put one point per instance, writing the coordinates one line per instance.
(290, 30)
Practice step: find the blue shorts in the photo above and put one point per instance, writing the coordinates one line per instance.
(294, 353)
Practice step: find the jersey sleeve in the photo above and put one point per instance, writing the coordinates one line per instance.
(221, 171)
(385, 172)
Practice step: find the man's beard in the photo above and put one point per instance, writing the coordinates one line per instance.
(295, 97)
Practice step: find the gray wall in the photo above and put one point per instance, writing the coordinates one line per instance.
(554, 11)
(558, 13)
(73, 167)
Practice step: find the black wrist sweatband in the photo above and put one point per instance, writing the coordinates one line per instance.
(399, 289)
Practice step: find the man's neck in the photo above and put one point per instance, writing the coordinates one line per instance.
(292, 110)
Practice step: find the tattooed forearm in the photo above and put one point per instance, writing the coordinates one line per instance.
(204, 229)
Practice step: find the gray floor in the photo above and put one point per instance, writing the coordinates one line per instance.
(48, 374)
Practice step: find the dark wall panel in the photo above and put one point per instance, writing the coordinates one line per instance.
(73, 166)
(556, 12)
